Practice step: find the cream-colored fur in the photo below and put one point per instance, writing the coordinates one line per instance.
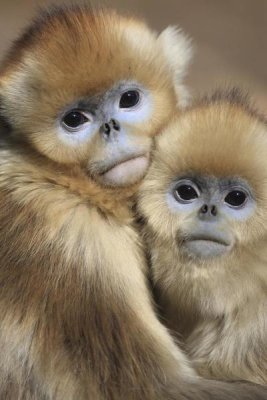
(217, 306)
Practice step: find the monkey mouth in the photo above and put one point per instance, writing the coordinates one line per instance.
(211, 239)
(127, 170)
(206, 246)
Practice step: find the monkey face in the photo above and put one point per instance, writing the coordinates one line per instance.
(92, 89)
(205, 195)
(210, 206)
(117, 151)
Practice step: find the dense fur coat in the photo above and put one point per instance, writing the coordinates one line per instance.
(218, 306)
(76, 317)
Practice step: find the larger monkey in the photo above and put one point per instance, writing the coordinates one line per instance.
(81, 96)
(205, 200)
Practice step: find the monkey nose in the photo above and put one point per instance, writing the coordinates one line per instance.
(206, 210)
(107, 127)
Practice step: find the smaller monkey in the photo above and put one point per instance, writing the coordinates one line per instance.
(204, 204)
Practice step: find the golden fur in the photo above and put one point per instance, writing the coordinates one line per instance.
(76, 317)
(217, 306)
(72, 270)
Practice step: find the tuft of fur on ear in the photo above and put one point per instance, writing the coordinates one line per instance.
(178, 51)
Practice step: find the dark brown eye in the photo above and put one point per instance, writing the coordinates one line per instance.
(129, 99)
(74, 119)
(236, 198)
(186, 192)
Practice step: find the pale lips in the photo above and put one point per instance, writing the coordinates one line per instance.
(128, 171)
(205, 247)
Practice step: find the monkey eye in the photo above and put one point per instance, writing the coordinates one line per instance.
(73, 120)
(186, 192)
(129, 99)
(236, 198)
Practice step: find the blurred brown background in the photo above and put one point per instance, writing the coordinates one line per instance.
(230, 36)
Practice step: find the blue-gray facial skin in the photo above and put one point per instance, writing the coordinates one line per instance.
(109, 117)
(210, 204)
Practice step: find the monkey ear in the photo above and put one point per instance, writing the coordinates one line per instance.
(177, 48)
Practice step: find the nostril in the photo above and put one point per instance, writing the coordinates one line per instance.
(107, 129)
(115, 124)
(204, 209)
(213, 211)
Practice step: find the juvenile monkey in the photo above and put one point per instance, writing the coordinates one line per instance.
(205, 204)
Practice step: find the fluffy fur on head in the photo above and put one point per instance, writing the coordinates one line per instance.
(218, 137)
(72, 52)
(217, 304)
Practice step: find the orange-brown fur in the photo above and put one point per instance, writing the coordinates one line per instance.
(76, 317)
(218, 305)
(71, 265)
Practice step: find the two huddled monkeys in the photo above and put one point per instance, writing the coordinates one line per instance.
(205, 203)
(81, 96)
